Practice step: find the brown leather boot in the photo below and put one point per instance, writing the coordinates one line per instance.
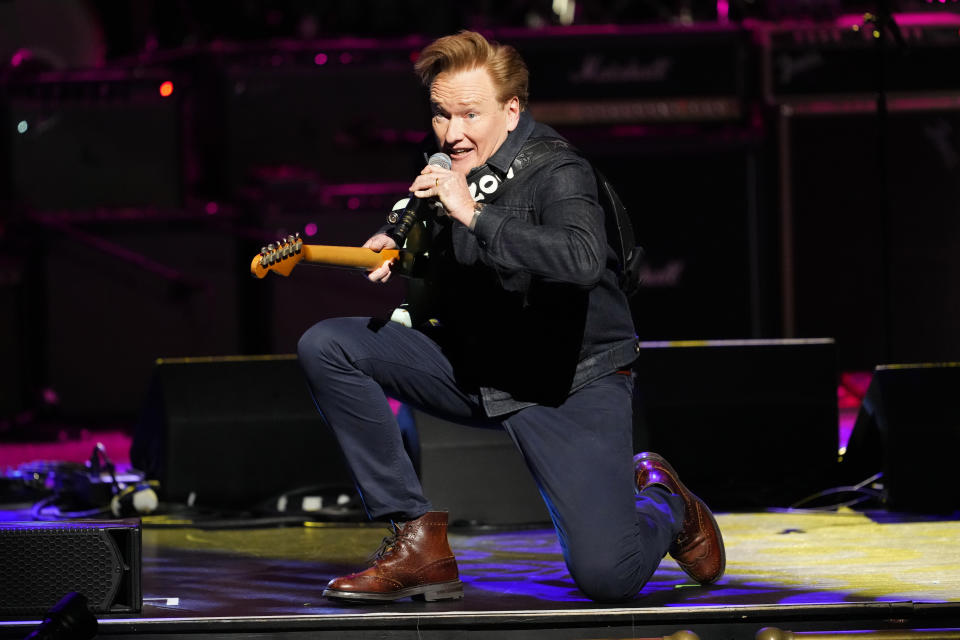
(414, 561)
(698, 548)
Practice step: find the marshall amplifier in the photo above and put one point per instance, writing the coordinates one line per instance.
(646, 73)
(696, 206)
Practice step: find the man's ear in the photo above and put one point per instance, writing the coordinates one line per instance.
(513, 112)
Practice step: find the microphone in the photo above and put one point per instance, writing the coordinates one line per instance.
(411, 212)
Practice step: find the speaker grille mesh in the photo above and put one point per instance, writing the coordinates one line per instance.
(38, 566)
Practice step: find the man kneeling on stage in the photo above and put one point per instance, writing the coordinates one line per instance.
(528, 331)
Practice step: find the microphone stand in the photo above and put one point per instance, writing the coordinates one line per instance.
(882, 23)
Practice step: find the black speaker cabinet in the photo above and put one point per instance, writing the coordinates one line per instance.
(869, 239)
(87, 140)
(476, 474)
(747, 423)
(344, 140)
(908, 427)
(235, 431)
(12, 333)
(40, 562)
(694, 201)
(119, 291)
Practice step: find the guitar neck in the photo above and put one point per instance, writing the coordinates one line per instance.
(357, 257)
(282, 258)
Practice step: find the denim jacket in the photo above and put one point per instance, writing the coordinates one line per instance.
(526, 305)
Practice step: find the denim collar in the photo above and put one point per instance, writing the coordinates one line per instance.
(503, 157)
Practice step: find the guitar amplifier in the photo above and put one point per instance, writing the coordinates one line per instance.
(634, 74)
(332, 121)
(105, 138)
(842, 57)
(870, 258)
(696, 207)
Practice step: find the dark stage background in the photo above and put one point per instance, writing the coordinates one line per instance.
(773, 197)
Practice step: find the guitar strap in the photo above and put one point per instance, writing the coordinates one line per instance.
(485, 185)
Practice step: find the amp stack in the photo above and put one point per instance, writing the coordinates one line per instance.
(868, 135)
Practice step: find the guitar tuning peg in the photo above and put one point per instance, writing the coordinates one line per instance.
(296, 235)
(271, 247)
(263, 250)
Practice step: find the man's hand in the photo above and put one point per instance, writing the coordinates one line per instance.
(379, 242)
(449, 187)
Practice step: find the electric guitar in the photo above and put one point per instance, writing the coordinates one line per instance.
(281, 257)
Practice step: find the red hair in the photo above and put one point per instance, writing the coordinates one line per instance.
(469, 50)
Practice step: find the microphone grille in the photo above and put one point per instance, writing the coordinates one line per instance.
(441, 160)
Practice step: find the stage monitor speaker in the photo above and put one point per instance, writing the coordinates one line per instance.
(476, 474)
(40, 562)
(870, 258)
(748, 424)
(908, 427)
(236, 431)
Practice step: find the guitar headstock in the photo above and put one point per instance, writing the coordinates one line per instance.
(280, 257)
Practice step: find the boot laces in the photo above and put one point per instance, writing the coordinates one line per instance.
(388, 543)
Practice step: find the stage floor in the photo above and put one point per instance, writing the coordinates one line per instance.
(772, 559)
(796, 570)
(793, 570)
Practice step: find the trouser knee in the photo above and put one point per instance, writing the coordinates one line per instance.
(604, 580)
(322, 343)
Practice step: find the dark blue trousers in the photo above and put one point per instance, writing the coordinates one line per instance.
(580, 453)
